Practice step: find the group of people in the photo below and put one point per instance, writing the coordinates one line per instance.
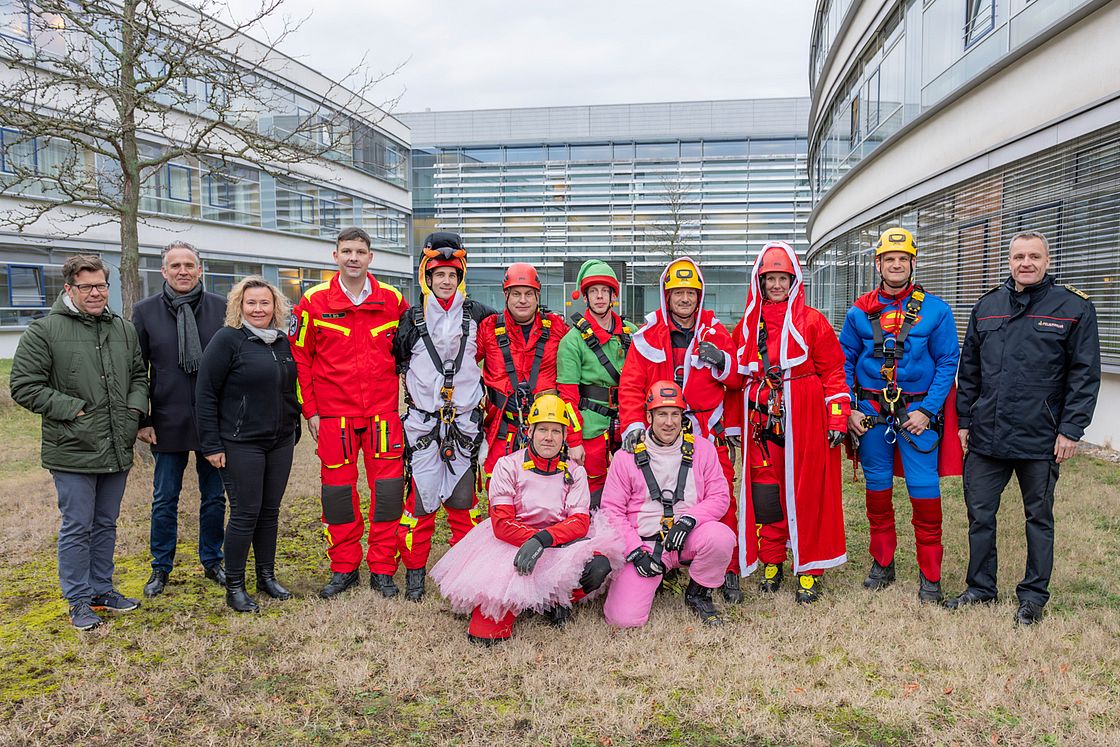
(606, 450)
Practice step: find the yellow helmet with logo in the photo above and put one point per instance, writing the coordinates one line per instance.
(896, 240)
(682, 274)
(548, 408)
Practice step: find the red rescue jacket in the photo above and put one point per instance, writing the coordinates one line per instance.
(344, 353)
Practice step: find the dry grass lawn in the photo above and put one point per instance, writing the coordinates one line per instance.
(857, 668)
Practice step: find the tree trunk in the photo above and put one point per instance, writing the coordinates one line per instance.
(131, 288)
(130, 164)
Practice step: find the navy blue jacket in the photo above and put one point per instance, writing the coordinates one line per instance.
(172, 390)
(1030, 369)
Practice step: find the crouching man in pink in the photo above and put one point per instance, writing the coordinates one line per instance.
(666, 500)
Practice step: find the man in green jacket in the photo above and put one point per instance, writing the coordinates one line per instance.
(80, 368)
(588, 364)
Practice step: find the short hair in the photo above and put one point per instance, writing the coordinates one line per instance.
(1029, 235)
(352, 233)
(80, 263)
(179, 245)
(281, 307)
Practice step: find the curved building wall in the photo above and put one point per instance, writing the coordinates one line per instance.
(999, 116)
(243, 219)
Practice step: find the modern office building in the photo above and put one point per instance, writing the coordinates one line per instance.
(633, 184)
(243, 220)
(966, 122)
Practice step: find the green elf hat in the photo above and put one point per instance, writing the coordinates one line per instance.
(595, 272)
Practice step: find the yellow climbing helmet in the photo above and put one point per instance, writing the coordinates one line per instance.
(548, 408)
(896, 240)
(682, 274)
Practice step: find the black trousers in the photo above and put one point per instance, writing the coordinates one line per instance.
(255, 477)
(985, 478)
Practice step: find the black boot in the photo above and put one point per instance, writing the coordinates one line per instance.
(731, 591)
(699, 599)
(558, 616)
(156, 583)
(808, 588)
(414, 584)
(929, 591)
(339, 583)
(772, 575)
(267, 583)
(485, 642)
(236, 596)
(383, 583)
(880, 576)
(216, 573)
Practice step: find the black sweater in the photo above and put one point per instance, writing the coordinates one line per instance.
(246, 390)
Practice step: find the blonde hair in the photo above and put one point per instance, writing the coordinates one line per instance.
(281, 308)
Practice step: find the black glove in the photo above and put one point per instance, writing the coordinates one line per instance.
(835, 438)
(676, 536)
(713, 356)
(526, 558)
(644, 563)
(632, 439)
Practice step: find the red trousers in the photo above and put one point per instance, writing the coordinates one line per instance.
(768, 468)
(380, 441)
(927, 531)
(596, 460)
(414, 535)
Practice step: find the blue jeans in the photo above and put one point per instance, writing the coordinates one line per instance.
(87, 535)
(167, 483)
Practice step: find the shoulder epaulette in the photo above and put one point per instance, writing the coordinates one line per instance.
(1071, 289)
(991, 290)
(316, 288)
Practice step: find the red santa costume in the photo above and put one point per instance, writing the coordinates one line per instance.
(662, 350)
(794, 393)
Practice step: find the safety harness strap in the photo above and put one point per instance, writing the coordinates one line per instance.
(588, 334)
(522, 394)
(667, 499)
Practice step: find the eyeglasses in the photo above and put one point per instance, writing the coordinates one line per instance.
(86, 288)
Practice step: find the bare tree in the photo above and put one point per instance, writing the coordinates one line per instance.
(120, 89)
(673, 232)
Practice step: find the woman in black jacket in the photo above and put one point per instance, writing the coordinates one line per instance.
(248, 424)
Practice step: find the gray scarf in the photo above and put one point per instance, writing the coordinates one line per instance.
(190, 347)
(268, 334)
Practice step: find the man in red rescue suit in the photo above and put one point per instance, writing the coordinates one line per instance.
(902, 349)
(342, 339)
(436, 348)
(794, 404)
(683, 342)
(588, 368)
(518, 353)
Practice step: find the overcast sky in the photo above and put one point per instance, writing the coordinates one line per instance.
(476, 54)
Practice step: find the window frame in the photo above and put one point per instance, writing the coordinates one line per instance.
(38, 272)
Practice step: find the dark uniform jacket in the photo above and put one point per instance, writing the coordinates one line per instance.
(172, 389)
(1030, 369)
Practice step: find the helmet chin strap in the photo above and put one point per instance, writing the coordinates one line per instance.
(653, 435)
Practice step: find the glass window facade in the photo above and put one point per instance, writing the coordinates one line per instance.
(632, 201)
(922, 52)
(1071, 193)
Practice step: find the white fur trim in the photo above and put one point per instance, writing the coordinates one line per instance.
(726, 368)
(822, 565)
(842, 395)
(650, 353)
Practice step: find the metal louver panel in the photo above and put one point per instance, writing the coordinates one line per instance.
(1071, 193)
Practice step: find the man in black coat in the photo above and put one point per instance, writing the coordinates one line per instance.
(1029, 375)
(175, 325)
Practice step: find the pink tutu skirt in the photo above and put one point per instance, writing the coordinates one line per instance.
(478, 571)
